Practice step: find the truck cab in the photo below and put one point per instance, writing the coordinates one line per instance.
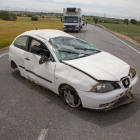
(72, 19)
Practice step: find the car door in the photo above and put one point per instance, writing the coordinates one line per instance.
(43, 74)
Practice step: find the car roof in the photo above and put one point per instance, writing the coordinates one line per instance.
(47, 33)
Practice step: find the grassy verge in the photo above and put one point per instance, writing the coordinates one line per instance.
(10, 29)
(128, 32)
(132, 31)
(126, 37)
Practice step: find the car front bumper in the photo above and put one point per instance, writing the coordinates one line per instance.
(106, 101)
(71, 29)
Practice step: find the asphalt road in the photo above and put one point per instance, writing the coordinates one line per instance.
(30, 112)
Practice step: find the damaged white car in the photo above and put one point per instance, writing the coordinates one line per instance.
(76, 70)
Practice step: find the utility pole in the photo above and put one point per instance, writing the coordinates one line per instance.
(26, 12)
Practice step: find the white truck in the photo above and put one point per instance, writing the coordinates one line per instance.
(72, 19)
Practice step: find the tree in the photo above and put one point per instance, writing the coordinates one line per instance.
(126, 21)
(8, 16)
(133, 21)
(4, 15)
(13, 17)
(95, 20)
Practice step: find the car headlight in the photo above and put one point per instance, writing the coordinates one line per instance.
(105, 87)
(132, 73)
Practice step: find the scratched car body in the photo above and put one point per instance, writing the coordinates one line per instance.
(76, 70)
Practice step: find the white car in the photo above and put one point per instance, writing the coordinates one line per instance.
(76, 70)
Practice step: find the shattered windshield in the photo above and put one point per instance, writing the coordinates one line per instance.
(68, 48)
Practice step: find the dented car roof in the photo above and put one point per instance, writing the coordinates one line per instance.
(47, 33)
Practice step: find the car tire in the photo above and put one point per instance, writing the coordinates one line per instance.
(71, 97)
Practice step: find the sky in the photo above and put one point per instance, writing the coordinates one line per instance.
(110, 8)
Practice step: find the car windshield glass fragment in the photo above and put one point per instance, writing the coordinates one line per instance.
(71, 20)
(68, 48)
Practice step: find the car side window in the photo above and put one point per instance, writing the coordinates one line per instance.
(21, 42)
(38, 48)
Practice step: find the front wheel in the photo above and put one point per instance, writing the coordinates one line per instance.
(71, 97)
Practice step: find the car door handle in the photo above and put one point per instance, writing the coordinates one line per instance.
(27, 59)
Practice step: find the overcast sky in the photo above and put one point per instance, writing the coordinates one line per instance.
(111, 8)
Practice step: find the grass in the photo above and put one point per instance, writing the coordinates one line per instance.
(132, 31)
(129, 32)
(10, 29)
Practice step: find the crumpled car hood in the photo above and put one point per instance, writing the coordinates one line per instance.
(102, 66)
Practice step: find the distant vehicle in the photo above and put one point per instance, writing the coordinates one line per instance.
(72, 18)
(83, 23)
(80, 73)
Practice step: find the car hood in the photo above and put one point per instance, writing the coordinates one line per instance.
(101, 66)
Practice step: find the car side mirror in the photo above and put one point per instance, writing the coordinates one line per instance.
(43, 59)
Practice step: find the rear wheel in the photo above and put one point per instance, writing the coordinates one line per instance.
(71, 97)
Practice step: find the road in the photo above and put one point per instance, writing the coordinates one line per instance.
(30, 112)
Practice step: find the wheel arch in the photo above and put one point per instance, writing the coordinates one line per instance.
(61, 86)
(13, 64)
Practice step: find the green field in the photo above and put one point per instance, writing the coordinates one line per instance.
(132, 31)
(10, 29)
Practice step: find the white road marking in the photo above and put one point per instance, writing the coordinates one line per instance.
(123, 42)
(43, 134)
(3, 54)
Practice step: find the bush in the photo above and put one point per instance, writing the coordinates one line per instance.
(8, 16)
(126, 21)
(42, 16)
(13, 17)
(95, 20)
(133, 21)
(4, 15)
(100, 21)
(34, 18)
(106, 21)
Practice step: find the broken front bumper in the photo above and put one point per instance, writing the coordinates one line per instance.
(109, 100)
(126, 99)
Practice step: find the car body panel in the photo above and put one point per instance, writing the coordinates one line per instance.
(17, 55)
(65, 74)
(42, 74)
(102, 66)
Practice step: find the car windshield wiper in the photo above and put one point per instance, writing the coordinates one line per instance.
(79, 54)
(68, 51)
(84, 49)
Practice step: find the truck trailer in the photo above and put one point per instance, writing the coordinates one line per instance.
(72, 19)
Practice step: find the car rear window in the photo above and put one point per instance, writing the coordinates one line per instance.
(21, 42)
